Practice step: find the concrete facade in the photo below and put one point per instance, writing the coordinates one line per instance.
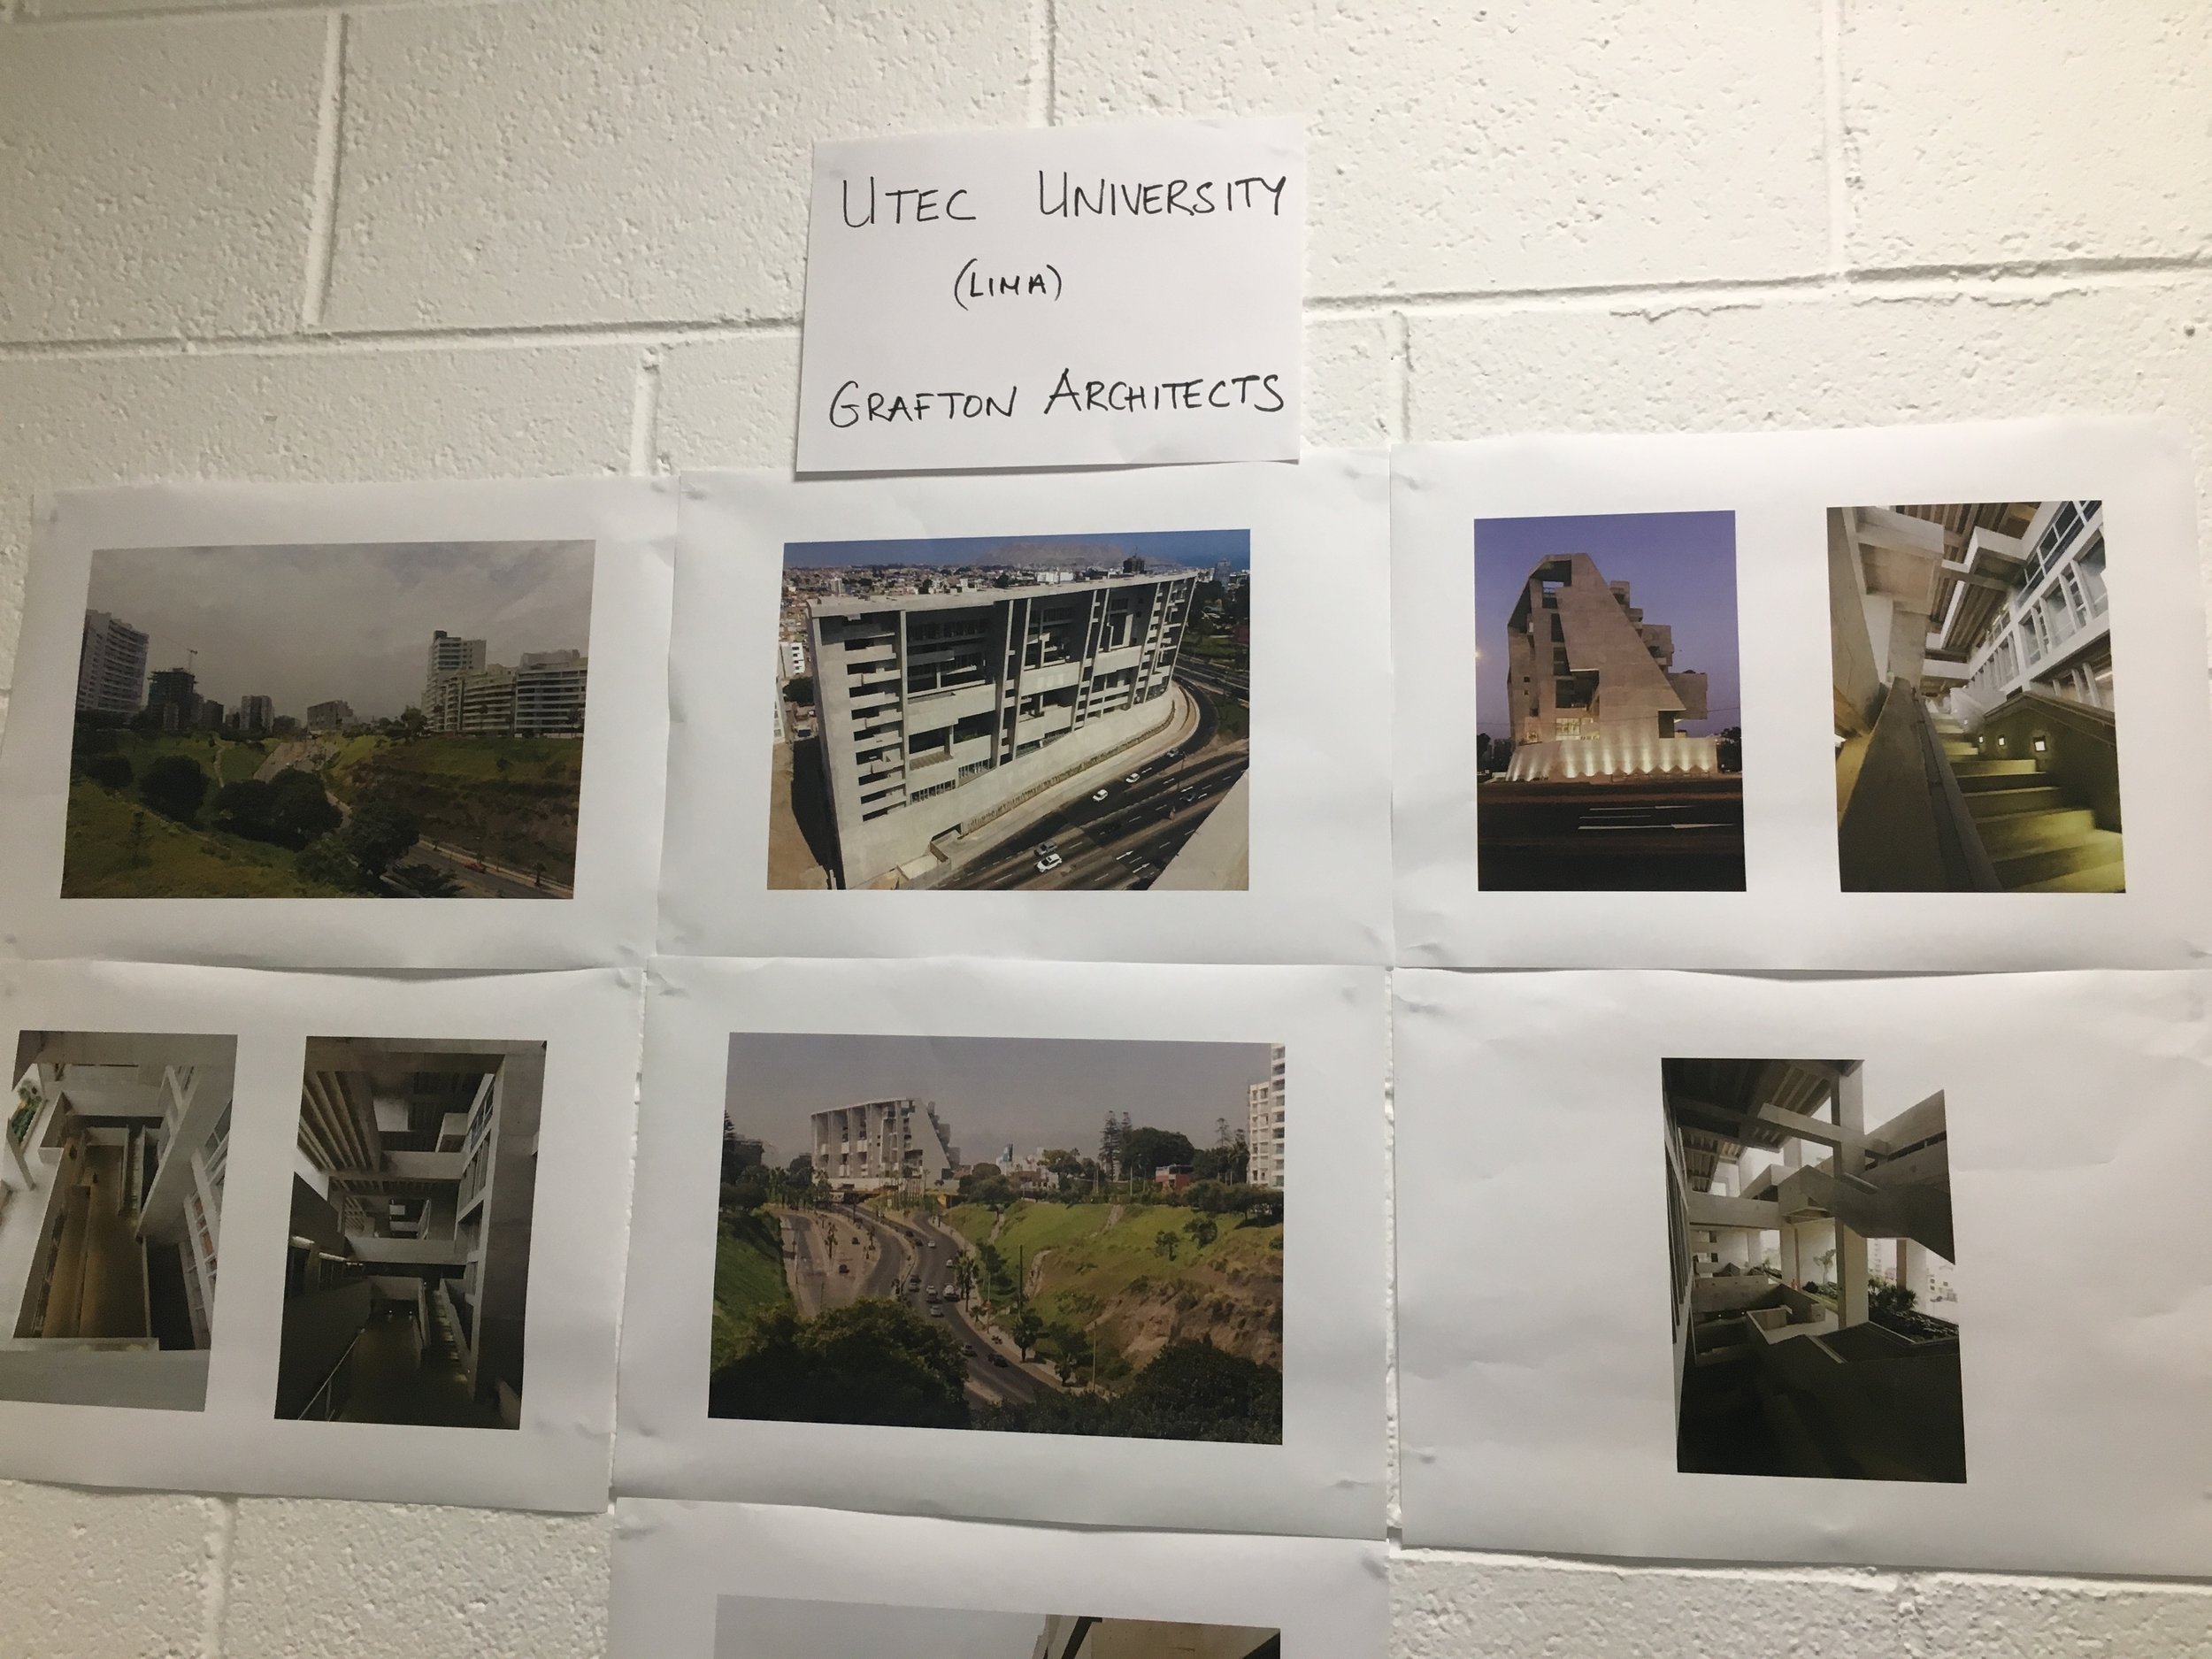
(1667, 215)
(1264, 1125)
(1592, 685)
(333, 716)
(110, 1217)
(112, 671)
(884, 1144)
(544, 695)
(941, 711)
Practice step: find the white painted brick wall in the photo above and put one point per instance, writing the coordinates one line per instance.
(255, 239)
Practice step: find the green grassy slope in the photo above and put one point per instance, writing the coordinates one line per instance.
(1101, 1269)
(511, 799)
(172, 860)
(747, 1275)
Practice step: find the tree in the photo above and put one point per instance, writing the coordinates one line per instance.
(799, 689)
(110, 772)
(175, 785)
(740, 1152)
(411, 723)
(1164, 1243)
(1149, 1149)
(1109, 1148)
(378, 833)
(1203, 1230)
(324, 860)
(289, 809)
(1027, 1328)
(875, 1361)
(1227, 1162)
(137, 851)
(803, 1164)
(425, 881)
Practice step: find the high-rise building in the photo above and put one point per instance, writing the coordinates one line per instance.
(335, 716)
(448, 654)
(210, 715)
(173, 694)
(941, 711)
(256, 716)
(791, 658)
(1264, 1125)
(886, 1143)
(1592, 685)
(111, 668)
(549, 694)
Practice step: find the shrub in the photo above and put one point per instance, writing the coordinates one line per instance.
(110, 772)
(175, 785)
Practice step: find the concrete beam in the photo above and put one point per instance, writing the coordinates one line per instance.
(1712, 1209)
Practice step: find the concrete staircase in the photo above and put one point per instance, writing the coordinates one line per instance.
(2038, 836)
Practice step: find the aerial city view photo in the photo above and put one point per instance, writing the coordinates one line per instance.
(1111, 1264)
(763, 1627)
(1976, 743)
(1816, 1307)
(401, 721)
(1033, 712)
(1609, 746)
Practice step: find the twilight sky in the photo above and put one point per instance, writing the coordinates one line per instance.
(1189, 549)
(305, 624)
(1681, 571)
(1033, 1092)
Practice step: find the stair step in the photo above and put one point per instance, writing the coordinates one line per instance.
(2092, 850)
(1977, 774)
(2006, 800)
(1957, 749)
(2017, 833)
(2099, 879)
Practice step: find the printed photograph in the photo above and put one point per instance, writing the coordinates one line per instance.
(1974, 747)
(757, 1627)
(1609, 745)
(1023, 1234)
(111, 1212)
(401, 721)
(1815, 1318)
(409, 1260)
(1014, 714)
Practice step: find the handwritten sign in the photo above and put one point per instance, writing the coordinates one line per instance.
(1066, 297)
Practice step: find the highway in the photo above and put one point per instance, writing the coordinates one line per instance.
(928, 1253)
(815, 1243)
(1126, 840)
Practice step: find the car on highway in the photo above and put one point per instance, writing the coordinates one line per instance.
(1133, 777)
(998, 1359)
(930, 1294)
(1042, 847)
(936, 1310)
(1050, 861)
(1098, 795)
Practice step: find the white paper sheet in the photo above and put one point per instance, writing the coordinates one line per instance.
(1535, 1346)
(695, 1579)
(1318, 838)
(1059, 297)
(558, 1458)
(1326, 1476)
(1790, 913)
(631, 525)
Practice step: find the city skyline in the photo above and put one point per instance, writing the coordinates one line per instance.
(1681, 572)
(347, 622)
(1031, 1092)
(1184, 549)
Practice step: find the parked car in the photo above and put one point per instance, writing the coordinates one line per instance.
(1050, 861)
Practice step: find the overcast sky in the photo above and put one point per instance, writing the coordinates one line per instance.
(305, 624)
(1188, 549)
(1681, 571)
(1031, 1092)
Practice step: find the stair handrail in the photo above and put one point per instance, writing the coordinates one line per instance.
(1958, 838)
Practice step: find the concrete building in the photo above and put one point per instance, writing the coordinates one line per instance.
(942, 712)
(173, 694)
(257, 716)
(112, 667)
(412, 1192)
(1976, 746)
(791, 658)
(1264, 1125)
(886, 1143)
(335, 716)
(448, 654)
(551, 688)
(1791, 1357)
(211, 714)
(1592, 685)
(111, 1205)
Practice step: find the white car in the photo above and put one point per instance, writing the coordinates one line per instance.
(1133, 777)
(1050, 861)
(1098, 795)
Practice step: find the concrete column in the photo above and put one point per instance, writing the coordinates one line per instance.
(1907, 1267)
(1789, 1253)
(1850, 1160)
